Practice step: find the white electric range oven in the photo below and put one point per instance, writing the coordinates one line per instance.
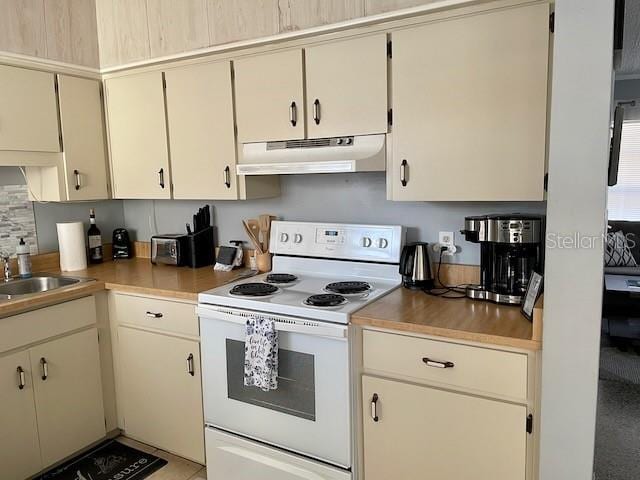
(322, 273)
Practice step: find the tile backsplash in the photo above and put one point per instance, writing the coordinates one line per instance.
(17, 219)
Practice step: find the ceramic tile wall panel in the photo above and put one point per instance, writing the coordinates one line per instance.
(177, 26)
(71, 31)
(16, 219)
(123, 32)
(231, 20)
(22, 27)
(301, 14)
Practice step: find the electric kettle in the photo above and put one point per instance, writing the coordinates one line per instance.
(415, 266)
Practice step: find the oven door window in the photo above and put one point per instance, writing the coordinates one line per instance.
(295, 394)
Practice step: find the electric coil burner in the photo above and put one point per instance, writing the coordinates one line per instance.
(348, 288)
(253, 290)
(325, 300)
(280, 278)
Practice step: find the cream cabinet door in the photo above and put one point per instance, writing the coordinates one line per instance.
(19, 449)
(201, 132)
(28, 110)
(447, 436)
(85, 160)
(469, 100)
(138, 136)
(68, 393)
(167, 370)
(347, 87)
(269, 97)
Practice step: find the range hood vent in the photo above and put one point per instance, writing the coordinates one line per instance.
(363, 153)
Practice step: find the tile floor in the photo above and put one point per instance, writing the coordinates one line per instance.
(178, 468)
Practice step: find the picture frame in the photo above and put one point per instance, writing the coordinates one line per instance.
(534, 289)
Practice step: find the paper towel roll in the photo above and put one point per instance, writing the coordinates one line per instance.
(73, 253)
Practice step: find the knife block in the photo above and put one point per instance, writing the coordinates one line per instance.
(200, 251)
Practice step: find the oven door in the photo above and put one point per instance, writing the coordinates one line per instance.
(309, 412)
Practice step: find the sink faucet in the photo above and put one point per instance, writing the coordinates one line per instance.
(7, 266)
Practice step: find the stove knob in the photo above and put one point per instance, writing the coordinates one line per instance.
(383, 243)
(297, 238)
(284, 237)
(366, 242)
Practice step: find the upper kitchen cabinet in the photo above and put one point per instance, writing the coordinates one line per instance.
(81, 172)
(346, 91)
(270, 97)
(138, 136)
(28, 110)
(201, 131)
(347, 87)
(469, 102)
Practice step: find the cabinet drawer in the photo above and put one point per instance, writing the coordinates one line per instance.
(166, 315)
(470, 368)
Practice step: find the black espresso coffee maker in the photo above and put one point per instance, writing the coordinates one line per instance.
(511, 248)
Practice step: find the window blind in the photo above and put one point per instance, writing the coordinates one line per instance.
(624, 198)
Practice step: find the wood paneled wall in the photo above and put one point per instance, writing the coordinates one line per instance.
(62, 30)
(133, 30)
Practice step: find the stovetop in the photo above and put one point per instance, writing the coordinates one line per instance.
(308, 296)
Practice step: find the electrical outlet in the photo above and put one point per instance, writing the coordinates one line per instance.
(446, 239)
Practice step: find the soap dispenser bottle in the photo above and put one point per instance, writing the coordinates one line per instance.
(24, 259)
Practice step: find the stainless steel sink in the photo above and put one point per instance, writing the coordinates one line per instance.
(40, 283)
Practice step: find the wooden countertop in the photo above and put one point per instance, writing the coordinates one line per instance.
(464, 319)
(136, 275)
(139, 275)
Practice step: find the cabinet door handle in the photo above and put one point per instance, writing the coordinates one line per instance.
(316, 111)
(154, 314)
(374, 407)
(44, 367)
(161, 177)
(76, 175)
(227, 176)
(403, 173)
(21, 382)
(190, 368)
(436, 364)
(293, 114)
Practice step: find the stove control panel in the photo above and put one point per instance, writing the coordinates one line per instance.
(379, 243)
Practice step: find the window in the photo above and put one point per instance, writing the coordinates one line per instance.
(624, 198)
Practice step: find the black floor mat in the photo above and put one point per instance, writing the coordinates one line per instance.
(111, 460)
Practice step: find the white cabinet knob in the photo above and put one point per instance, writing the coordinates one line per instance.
(383, 243)
(297, 238)
(284, 237)
(366, 242)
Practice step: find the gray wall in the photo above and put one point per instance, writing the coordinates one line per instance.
(110, 213)
(354, 198)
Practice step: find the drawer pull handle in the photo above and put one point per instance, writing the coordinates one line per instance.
(21, 381)
(154, 315)
(227, 177)
(44, 366)
(161, 177)
(437, 364)
(190, 368)
(374, 407)
(76, 175)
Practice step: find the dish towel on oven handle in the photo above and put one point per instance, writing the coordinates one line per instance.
(261, 354)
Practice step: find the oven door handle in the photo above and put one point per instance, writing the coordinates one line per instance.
(286, 324)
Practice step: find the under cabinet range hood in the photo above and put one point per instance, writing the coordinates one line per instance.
(363, 153)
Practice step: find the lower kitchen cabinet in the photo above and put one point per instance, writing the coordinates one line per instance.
(68, 393)
(423, 431)
(19, 449)
(161, 391)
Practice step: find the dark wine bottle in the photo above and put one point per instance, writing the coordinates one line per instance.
(95, 239)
